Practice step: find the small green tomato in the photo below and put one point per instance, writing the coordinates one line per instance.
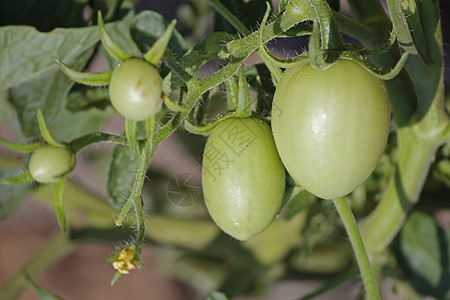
(135, 90)
(330, 126)
(243, 177)
(50, 164)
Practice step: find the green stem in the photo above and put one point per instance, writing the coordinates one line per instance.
(403, 192)
(358, 246)
(96, 137)
(224, 12)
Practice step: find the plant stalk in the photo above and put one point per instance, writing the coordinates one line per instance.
(362, 258)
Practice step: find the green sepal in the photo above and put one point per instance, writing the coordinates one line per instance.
(206, 130)
(267, 56)
(115, 278)
(130, 132)
(154, 54)
(25, 177)
(58, 191)
(45, 132)
(172, 105)
(243, 110)
(28, 148)
(91, 79)
(372, 69)
(109, 44)
(232, 93)
(315, 55)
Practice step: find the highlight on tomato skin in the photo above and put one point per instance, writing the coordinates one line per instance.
(243, 177)
(330, 126)
(50, 164)
(135, 90)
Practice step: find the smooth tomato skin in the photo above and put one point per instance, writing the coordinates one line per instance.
(330, 126)
(135, 90)
(243, 177)
(49, 164)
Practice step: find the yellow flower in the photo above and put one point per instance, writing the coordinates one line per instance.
(126, 260)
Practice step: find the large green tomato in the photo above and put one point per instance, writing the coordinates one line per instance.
(243, 177)
(135, 90)
(330, 126)
(50, 164)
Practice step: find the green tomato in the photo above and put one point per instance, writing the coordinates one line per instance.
(50, 164)
(330, 126)
(135, 90)
(243, 177)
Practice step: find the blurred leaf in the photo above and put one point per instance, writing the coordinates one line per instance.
(11, 195)
(83, 97)
(250, 13)
(300, 201)
(111, 9)
(216, 296)
(53, 250)
(260, 79)
(282, 5)
(270, 247)
(81, 123)
(39, 291)
(121, 176)
(190, 234)
(321, 223)
(423, 252)
(148, 26)
(45, 15)
(442, 171)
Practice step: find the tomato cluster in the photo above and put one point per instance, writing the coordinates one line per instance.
(330, 128)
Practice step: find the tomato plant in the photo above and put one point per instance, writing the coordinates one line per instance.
(243, 177)
(359, 117)
(135, 90)
(49, 164)
(330, 126)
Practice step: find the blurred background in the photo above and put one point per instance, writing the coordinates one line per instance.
(183, 260)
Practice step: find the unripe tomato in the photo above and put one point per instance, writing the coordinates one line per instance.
(243, 177)
(135, 90)
(50, 164)
(330, 126)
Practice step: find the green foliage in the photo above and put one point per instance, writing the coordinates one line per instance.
(423, 252)
(121, 175)
(307, 237)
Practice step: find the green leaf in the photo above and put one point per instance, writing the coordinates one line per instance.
(41, 292)
(58, 192)
(122, 174)
(26, 52)
(45, 15)
(301, 200)
(423, 252)
(148, 26)
(250, 13)
(82, 97)
(33, 79)
(11, 195)
(214, 295)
